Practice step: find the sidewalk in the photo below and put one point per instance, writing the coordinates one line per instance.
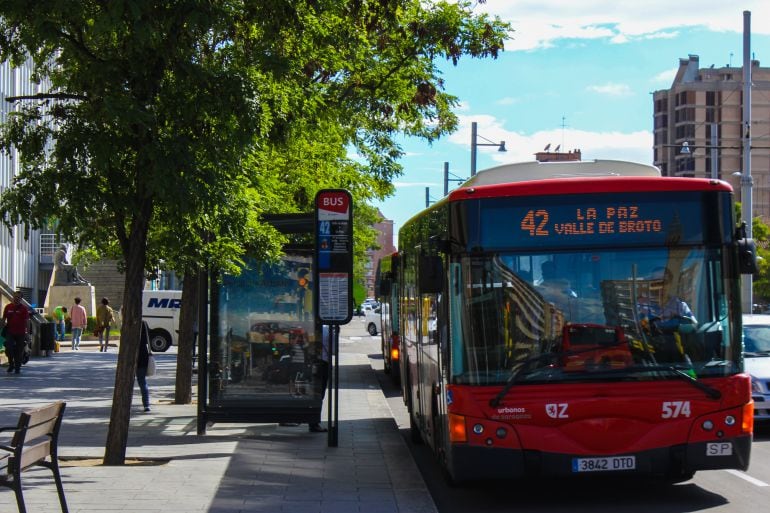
(234, 467)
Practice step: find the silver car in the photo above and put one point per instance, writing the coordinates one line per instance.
(756, 352)
(372, 320)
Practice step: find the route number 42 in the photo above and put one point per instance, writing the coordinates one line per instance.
(675, 409)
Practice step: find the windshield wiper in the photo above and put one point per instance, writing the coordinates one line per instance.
(543, 356)
(756, 353)
(518, 372)
(710, 391)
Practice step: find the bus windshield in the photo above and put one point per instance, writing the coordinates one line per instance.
(598, 315)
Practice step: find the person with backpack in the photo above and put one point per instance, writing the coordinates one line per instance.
(15, 327)
(105, 318)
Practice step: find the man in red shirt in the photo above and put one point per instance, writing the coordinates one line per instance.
(16, 321)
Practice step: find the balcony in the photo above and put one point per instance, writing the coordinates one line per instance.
(49, 243)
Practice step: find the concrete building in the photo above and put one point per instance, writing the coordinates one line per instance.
(21, 257)
(706, 101)
(26, 260)
(385, 242)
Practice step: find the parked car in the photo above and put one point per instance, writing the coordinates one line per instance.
(756, 352)
(372, 320)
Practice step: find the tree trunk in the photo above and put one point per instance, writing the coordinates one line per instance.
(120, 414)
(187, 338)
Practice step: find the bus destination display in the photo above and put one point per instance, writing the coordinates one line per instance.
(597, 220)
(590, 221)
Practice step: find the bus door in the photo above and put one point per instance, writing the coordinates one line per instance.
(410, 328)
(431, 285)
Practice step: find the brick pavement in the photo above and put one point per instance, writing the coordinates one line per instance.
(234, 467)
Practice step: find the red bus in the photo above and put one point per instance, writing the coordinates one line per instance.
(387, 295)
(576, 317)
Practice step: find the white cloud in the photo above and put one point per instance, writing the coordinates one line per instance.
(633, 146)
(611, 89)
(404, 185)
(508, 100)
(540, 24)
(662, 35)
(666, 77)
(463, 106)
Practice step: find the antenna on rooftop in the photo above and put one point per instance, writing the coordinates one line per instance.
(563, 126)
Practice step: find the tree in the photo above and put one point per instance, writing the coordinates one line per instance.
(168, 116)
(760, 232)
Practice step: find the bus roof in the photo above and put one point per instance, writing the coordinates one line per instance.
(528, 171)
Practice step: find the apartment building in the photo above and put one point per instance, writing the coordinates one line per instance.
(385, 242)
(26, 260)
(20, 256)
(698, 127)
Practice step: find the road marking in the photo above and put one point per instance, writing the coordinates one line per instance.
(746, 477)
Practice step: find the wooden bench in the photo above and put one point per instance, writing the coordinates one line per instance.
(34, 442)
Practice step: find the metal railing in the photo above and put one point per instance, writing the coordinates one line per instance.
(49, 243)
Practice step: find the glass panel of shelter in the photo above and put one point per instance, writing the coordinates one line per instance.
(268, 342)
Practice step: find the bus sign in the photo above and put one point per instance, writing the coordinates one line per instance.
(594, 220)
(334, 256)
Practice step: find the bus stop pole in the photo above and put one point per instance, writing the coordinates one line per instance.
(203, 330)
(334, 386)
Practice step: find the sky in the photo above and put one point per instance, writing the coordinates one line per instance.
(579, 75)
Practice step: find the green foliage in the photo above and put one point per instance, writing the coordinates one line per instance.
(359, 294)
(760, 232)
(196, 118)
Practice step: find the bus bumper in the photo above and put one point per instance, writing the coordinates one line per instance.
(473, 463)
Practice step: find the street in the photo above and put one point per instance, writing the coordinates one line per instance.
(240, 476)
(713, 491)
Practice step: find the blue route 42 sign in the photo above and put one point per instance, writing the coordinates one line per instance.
(334, 256)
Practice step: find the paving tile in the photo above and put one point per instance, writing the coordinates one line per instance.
(234, 468)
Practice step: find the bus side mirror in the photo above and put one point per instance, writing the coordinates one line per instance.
(431, 271)
(747, 256)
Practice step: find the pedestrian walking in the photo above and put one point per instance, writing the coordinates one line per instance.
(16, 326)
(79, 319)
(142, 363)
(105, 318)
(321, 375)
(59, 318)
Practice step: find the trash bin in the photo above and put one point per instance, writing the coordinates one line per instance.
(47, 336)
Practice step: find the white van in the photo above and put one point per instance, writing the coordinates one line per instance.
(160, 308)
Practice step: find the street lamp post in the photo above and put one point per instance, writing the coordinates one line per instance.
(747, 297)
(447, 179)
(474, 144)
(686, 149)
